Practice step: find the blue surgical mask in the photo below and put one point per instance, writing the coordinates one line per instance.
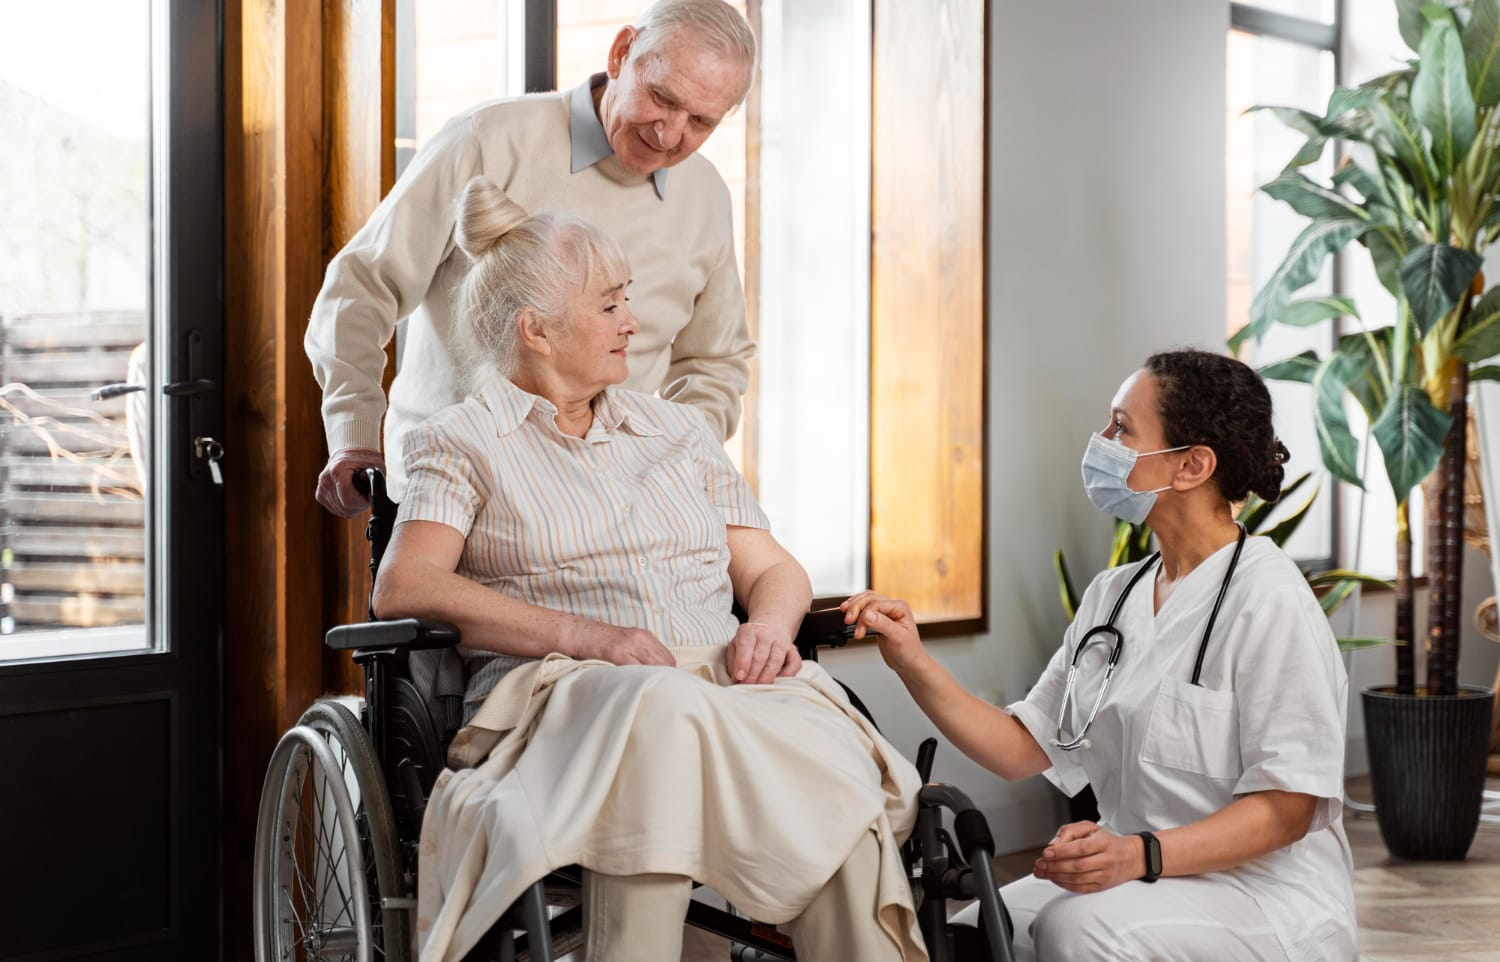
(1106, 465)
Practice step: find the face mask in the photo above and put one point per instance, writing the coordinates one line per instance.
(1106, 465)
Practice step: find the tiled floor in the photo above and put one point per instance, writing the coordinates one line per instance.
(1408, 911)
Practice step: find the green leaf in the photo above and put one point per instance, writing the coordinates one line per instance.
(1404, 141)
(1410, 21)
(1312, 310)
(1309, 153)
(1312, 200)
(1357, 644)
(1288, 526)
(1386, 258)
(1335, 441)
(1345, 99)
(1369, 387)
(1336, 575)
(1299, 120)
(1479, 339)
(1440, 96)
(1434, 276)
(1254, 511)
(1482, 52)
(1066, 592)
(1362, 172)
(1490, 373)
(1302, 262)
(1410, 432)
(1331, 600)
(1300, 367)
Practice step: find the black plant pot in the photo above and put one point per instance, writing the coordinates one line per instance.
(1427, 760)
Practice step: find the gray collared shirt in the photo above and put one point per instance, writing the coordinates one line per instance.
(590, 143)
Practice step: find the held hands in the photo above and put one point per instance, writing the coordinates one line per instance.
(336, 483)
(1086, 858)
(891, 619)
(759, 654)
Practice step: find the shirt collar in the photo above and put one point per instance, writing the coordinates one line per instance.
(586, 131)
(509, 405)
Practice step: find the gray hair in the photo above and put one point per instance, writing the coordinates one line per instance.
(720, 26)
(520, 261)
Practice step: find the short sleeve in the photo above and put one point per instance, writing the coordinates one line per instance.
(1291, 695)
(1038, 712)
(725, 486)
(440, 484)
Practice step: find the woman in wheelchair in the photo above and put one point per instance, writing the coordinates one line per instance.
(552, 514)
(1218, 753)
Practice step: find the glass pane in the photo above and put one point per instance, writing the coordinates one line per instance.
(450, 56)
(75, 289)
(814, 292)
(1319, 10)
(1263, 70)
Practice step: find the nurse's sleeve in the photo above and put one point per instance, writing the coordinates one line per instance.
(1291, 694)
(1038, 712)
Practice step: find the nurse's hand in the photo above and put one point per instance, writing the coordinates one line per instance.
(1086, 858)
(891, 619)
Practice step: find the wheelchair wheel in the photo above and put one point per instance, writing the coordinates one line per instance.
(329, 885)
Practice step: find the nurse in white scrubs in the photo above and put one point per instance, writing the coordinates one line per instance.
(1217, 752)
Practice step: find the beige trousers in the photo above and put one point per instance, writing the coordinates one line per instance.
(638, 918)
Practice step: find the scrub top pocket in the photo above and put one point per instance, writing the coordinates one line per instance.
(1193, 729)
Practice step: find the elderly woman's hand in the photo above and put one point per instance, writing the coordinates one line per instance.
(760, 653)
(892, 621)
(619, 646)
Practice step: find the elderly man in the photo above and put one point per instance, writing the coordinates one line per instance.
(603, 151)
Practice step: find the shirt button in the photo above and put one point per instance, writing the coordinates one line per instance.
(625, 508)
(641, 561)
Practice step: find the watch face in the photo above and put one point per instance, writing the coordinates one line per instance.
(1153, 855)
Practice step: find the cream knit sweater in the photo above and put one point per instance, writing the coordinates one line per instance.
(693, 346)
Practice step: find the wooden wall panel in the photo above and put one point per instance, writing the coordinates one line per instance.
(928, 307)
(308, 139)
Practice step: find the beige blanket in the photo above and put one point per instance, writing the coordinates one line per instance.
(759, 791)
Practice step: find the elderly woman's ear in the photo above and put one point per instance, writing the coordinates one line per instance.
(533, 330)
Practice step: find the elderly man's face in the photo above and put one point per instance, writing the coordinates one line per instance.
(659, 109)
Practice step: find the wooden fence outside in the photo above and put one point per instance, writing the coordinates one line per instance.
(72, 506)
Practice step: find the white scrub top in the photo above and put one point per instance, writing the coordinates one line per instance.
(1269, 715)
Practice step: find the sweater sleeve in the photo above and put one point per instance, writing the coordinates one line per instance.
(379, 278)
(710, 366)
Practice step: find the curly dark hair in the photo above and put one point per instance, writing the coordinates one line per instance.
(1217, 401)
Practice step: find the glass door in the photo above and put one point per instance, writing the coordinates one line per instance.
(110, 506)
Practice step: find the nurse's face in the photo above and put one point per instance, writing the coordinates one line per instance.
(1134, 422)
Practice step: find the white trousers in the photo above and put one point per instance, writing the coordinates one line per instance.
(1172, 919)
(638, 918)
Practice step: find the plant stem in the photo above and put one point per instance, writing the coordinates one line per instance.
(1445, 546)
(1406, 629)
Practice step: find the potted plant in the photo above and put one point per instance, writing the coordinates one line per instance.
(1419, 190)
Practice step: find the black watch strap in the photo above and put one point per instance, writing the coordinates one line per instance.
(1153, 857)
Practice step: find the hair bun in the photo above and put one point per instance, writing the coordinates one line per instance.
(485, 214)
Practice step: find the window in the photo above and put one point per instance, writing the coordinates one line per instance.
(1281, 60)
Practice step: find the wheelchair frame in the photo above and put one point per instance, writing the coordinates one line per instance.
(316, 840)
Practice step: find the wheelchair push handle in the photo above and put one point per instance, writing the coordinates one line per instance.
(370, 483)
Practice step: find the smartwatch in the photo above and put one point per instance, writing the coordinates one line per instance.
(1153, 857)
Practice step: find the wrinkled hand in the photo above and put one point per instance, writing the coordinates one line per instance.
(759, 654)
(893, 623)
(1086, 858)
(336, 483)
(621, 646)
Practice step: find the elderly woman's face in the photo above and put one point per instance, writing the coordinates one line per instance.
(592, 344)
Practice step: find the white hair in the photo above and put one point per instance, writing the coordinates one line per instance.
(520, 261)
(720, 27)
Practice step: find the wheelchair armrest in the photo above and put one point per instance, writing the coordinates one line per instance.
(413, 634)
(823, 628)
(969, 824)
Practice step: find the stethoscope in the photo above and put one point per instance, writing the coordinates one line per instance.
(1109, 629)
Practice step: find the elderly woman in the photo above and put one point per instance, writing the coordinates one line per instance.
(553, 514)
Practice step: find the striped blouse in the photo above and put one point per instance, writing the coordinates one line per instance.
(625, 526)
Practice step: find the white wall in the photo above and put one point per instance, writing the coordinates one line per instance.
(1107, 228)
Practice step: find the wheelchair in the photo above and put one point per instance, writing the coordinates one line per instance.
(337, 833)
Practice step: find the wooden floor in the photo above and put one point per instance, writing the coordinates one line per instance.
(1447, 911)
(1425, 910)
